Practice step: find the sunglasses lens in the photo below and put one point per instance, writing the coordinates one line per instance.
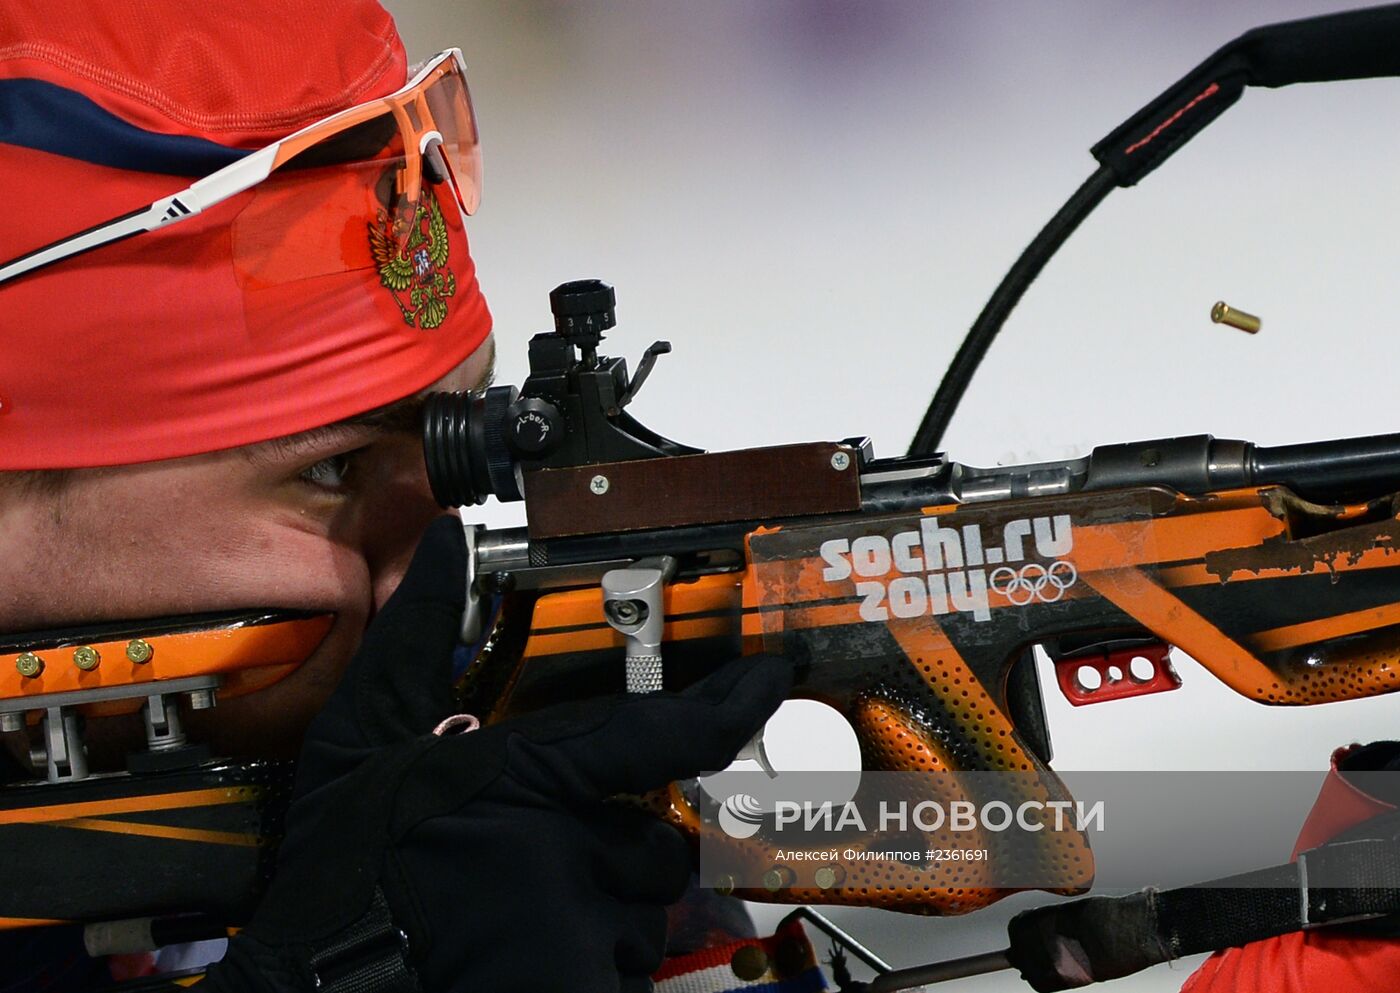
(373, 195)
(377, 138)
(451, 107)
(353, 201)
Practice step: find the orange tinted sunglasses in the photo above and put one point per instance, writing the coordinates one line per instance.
(428, 124)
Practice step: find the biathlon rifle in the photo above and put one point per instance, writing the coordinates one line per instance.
(914, 589)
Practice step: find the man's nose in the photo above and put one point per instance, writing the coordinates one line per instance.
(396, 512)
(386, 581)
(387, 568)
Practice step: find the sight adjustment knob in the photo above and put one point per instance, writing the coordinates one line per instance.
(583, 310)
(489, 437)
(534, 426)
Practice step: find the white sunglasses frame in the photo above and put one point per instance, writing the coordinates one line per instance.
(231, 180)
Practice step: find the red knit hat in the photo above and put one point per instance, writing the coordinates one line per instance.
(264, 316)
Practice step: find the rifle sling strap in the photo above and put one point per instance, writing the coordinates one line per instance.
(1346, 881)
(1068, 945)
(371, 956)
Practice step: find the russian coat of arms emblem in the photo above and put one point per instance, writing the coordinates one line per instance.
(411, 254)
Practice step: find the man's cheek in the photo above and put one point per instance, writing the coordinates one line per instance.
(271, 722)
(287, 569)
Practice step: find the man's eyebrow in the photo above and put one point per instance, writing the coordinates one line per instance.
(400, 417)
(313, 442)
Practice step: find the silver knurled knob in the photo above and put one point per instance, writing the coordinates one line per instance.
(644, 673)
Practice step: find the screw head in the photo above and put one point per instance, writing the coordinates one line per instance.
(86, 658)
(724, 886)
(500, 582)
(840, 461)
(623, 611)
(29, 665)
(749, 963)
(599, 485)
(774, 880)
(139, 650)
(825, 877)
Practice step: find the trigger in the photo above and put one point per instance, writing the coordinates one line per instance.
(755, 752)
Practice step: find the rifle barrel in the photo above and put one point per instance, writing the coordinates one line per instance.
(1333, 470)
(1347, 469)
(1322, 471)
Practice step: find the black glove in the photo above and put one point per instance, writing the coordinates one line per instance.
(488, 860)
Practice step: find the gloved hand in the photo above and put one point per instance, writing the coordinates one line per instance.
(488, 860)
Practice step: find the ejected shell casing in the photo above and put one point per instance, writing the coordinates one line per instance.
(1223, 313)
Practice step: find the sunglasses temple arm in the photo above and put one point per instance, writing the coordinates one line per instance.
(142, 219)
(227, 182)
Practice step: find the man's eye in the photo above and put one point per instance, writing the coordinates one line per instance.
(330, 473)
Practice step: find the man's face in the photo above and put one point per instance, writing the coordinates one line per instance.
(323, 521)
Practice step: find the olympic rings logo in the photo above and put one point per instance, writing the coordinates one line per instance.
(1034, 581)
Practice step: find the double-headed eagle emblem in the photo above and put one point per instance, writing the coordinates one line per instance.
(412, 260)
